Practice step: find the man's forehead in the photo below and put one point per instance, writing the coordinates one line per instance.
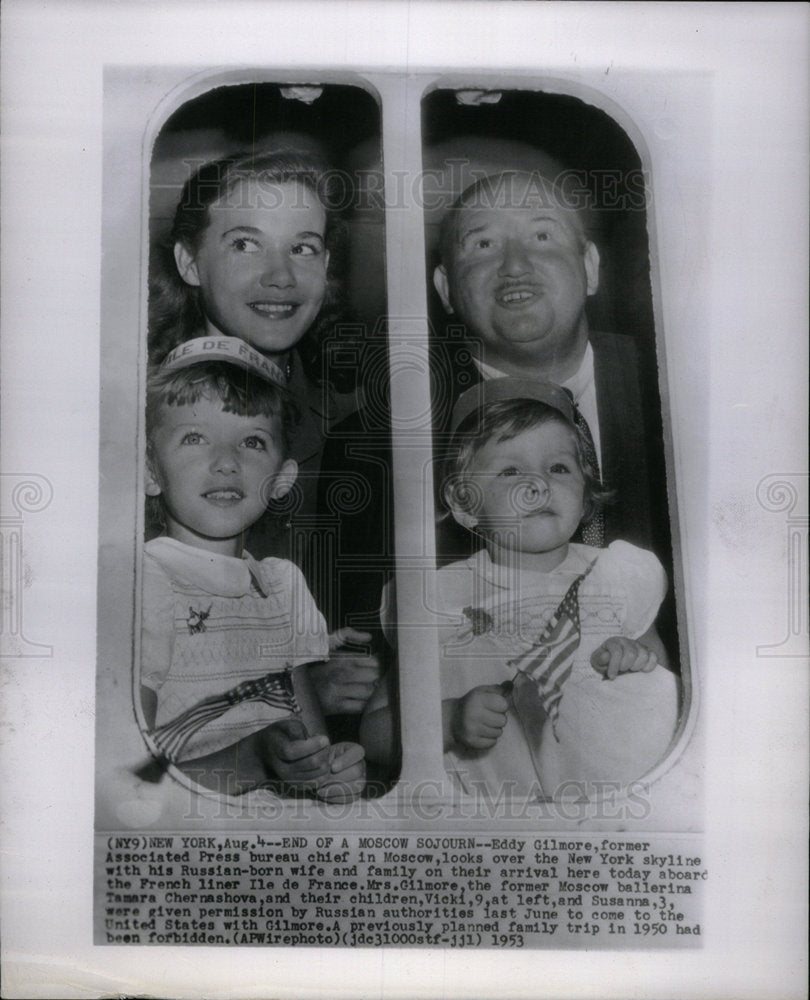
(511, 190)
(471, 220)
(471, 216)
(515, 196)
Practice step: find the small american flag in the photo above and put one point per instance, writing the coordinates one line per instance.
(273, 689)
(550, 660)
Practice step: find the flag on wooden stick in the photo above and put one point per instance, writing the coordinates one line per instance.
(549, 662)
(274, 689)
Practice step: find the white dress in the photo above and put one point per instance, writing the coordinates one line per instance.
(611, 731)
(211, 622)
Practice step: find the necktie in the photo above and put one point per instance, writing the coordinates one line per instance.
(593, 533)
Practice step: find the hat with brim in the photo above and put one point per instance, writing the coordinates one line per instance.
(498, 390)
(233, 350)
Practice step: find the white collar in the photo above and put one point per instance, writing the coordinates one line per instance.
(577, 383)
(576, 561)
(223, 576)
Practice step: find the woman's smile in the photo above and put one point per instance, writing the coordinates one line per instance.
(275, 310)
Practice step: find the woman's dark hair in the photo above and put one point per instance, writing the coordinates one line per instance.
(175, 310)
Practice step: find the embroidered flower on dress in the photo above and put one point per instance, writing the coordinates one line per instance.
(481, 620)
(196, 620)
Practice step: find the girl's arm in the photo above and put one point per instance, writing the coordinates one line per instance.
(621, 655)
(247, 764)
(476, 720)
(652, 640)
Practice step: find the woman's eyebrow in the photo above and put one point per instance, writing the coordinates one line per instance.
(252, 230)
(255, 231)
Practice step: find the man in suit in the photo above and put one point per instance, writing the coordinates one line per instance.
(516, 271)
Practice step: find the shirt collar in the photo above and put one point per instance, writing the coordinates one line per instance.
(578, 383)
(505, 577)
(222, 576)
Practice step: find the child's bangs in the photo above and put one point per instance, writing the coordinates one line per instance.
(238, 390)
(523, 415)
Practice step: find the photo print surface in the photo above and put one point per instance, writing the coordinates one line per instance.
(350, 665)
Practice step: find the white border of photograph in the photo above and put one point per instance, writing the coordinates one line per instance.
(741, 295)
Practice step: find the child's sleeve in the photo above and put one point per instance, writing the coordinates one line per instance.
(157, 625)
(310, 636)
(644, 582)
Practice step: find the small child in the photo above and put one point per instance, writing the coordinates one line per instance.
(553, 676)
(222, 634)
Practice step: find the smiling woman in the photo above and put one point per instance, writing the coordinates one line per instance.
(261, 275)
(248, 255)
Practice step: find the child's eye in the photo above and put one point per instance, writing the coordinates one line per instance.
(304, 249)
(254, 442)
(192, 437)
(242, 244)
(510, 470)
(559, 468)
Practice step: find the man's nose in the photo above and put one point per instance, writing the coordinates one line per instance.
(277, 270)
(515, 260)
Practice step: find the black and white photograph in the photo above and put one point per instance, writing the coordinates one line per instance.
(404, 500)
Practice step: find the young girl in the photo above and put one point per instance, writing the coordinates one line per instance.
(222, 633)
(254, 253)
(553, 678)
